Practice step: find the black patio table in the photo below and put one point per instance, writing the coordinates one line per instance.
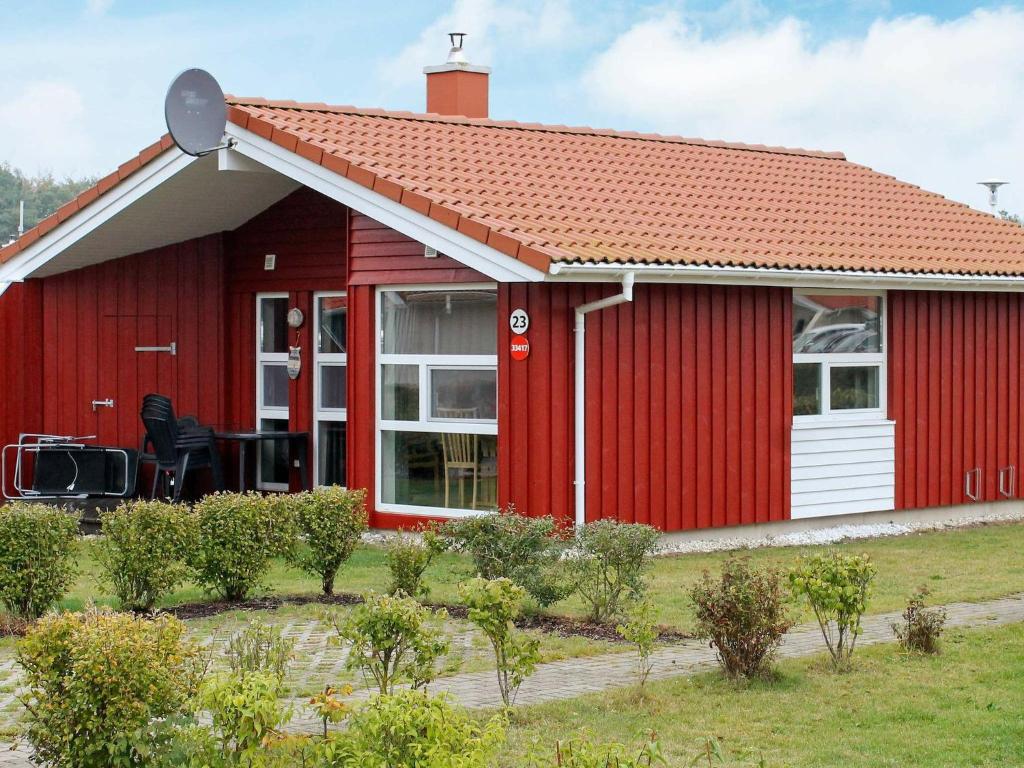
(298, 449)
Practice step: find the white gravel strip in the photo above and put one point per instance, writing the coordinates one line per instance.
(830, 535)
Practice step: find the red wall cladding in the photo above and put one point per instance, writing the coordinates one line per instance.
(21, 388)
(689, 405)
(954, 391)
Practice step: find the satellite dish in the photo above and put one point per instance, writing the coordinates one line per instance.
(196, 112)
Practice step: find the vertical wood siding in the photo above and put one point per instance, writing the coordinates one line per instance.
(21, 390)
(954, 392)
(689, 405)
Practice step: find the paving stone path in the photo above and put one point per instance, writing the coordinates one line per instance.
(577, 677)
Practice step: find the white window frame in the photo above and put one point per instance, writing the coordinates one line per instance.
(828, 361)
(263, 412)
(321, 414)
(424, 423)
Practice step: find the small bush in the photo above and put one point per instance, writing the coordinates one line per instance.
(493, 606)
(259, 648)
(37, 548)
(238, 534)
(143, 550)
(642, 631)
(246, 714)
(837, 587)
(331, 521)
(607, 567)
(392, 641)
(413, 730)
(743, 615)
(407, 559)
(508, 545)
(97, 683)
(922, 627)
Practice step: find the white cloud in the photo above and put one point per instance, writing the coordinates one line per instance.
(44, 127)
(98, 7)
(934, 102)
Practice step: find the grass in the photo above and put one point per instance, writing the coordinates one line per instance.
(970, 564)
(962, 708)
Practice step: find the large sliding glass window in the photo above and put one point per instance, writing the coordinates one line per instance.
(438, 400)
(838, 355)
(331, 387)
(272, 388)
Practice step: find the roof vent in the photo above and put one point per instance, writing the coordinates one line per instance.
(457, 87)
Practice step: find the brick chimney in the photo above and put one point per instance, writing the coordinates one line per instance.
(457, 87)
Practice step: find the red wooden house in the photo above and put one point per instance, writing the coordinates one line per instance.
(713, 333)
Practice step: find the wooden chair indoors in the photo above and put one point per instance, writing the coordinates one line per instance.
(461, 458)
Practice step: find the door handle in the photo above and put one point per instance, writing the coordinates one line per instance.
(97, 404)
(171, 348)
(971, 489)
(1007, 481)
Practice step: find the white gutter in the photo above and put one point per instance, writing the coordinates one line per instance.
(821, 278)
(579, 397)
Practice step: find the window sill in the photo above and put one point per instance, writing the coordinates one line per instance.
(830, 422)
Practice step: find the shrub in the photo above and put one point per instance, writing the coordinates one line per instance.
(37, 547)
(607, 567)
(245, 713)
(837, 587)
(493, 606)
(642, 631)
(259, 648)
(97, 682)
(413, 730)
(743, 615)
(921, 627)
(331, 520)
(392, 641)
(508, 545)
(143, 550)
(238, 534)
(407, 559)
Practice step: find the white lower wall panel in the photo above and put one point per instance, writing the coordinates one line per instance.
(842, 468)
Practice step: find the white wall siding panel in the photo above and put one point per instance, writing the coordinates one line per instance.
(839, 469)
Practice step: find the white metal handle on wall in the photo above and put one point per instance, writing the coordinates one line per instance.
(1008, 481)
(171, 348)
(971, 489)
(97, 404)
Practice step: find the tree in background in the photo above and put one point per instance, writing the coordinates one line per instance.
(42, 194)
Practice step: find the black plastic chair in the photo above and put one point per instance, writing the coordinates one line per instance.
(178, 446)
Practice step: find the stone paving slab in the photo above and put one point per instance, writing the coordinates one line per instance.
(577, 677)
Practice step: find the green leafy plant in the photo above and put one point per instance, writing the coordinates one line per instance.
(259, 648)
(408, 558)
(246, 714)
(391, 641)
(329, 705)
(143, 549)
(97, 685)
(37, 548)
(837, 587)
(583, 752)
(410, 729)
(238, 534)
(508, 545)
(331, 521)
(607, 566)
(642, 631)
(922, 626)
(743, 616)
(493, 606)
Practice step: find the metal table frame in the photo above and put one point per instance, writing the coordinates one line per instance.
(298, 450)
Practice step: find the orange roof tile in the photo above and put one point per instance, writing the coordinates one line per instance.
(583, 195)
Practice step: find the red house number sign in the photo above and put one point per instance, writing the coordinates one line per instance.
(519, 347)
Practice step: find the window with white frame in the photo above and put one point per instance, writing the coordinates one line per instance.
(437, 400)
(272, 387)
(838, 355)
(331, 387)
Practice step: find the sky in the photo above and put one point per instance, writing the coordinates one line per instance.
(930, 92)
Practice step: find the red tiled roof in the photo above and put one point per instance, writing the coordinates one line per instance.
(545, 193)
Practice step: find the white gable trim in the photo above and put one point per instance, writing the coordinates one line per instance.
(474, 254)
(154, 173)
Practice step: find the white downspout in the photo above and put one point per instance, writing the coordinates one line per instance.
(579, 398)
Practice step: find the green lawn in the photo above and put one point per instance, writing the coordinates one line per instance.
(962, 708)
(972, 564)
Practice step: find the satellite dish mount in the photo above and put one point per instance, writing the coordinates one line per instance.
(196, 113)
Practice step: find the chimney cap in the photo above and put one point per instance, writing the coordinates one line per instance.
(457, 60)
